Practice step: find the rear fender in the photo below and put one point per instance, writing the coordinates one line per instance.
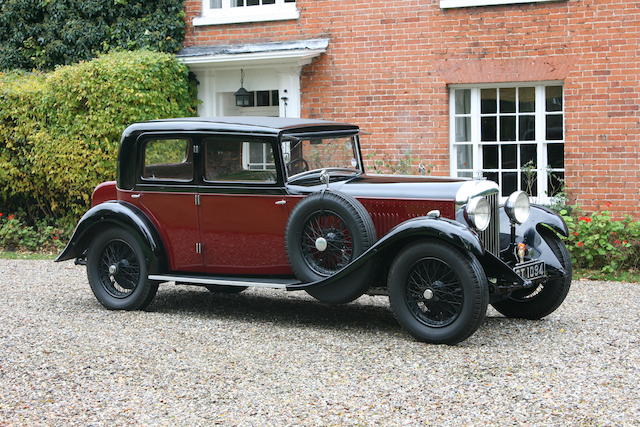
(387, 247)
(117, 214)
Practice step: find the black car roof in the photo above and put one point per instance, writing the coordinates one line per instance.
(263, 125)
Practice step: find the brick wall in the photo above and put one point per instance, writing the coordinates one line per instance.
(389, 63)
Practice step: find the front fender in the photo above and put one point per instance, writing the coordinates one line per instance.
(540, 217)
(443, 229)
(119, 214)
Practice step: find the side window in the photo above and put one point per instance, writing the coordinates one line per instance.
(238, 160)
(168, 159)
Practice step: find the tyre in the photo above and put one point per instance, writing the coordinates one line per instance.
(544, 299)
(223, 289)
(117, 271)
(325, 232)
(437, 293)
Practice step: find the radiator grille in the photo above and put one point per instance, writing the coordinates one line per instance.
(491, 236)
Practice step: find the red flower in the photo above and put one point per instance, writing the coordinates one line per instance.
(580, 244)
(10, 217)
(585, 219)
(0, 214)
(617, 242)
(55, 237)
(624, 242)
(608, 204)
(575, 233)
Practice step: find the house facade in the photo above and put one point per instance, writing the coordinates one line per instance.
(537, 95)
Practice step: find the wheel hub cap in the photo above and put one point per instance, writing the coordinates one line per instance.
(113, 269)
(428, 294)
(321, 244)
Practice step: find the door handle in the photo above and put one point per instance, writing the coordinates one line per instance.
(281, 202)
(135, 196)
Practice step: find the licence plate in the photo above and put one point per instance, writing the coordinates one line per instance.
(530, 270)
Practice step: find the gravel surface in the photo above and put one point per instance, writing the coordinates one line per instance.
(274, 358)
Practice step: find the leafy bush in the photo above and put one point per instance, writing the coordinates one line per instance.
(18, 236)
(59, 131)
(598, 241)
(401, 164)
(43, 34)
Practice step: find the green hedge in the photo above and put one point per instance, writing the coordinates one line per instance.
(40, 34)
(59, 131)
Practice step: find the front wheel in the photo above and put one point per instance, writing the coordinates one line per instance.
(437, 293)
(117, 271)
(544, 299)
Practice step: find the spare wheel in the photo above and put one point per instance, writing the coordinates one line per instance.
(325, 232)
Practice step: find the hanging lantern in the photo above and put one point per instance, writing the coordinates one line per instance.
(243, 96)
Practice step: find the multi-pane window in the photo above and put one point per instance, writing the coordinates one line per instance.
(510, 134)
(258, 156)
(263, 98)
(215, 12)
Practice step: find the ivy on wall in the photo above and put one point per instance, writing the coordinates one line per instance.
(40, 34)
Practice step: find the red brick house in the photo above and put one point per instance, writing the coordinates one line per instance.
(531, 94)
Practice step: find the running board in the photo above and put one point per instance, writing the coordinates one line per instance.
(256, 282)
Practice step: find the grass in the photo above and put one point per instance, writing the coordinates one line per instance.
(618, 276)
(26, 255)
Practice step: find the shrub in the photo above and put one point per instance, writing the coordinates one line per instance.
(59, 131)
(600, 242)
(18, 236)
(43, 34)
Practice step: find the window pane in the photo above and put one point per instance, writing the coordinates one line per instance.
(488, 101)
(529, 182)
(527, 128)
(553, 98)
(507, 128)
(223, 161)
(555, 183)
(508, 100)
(488, 129)
(262, 98)
(529, 155)
(554, 127)
(268, 1)
(509, 156)
(215, 4)
(463, 129)
(555, 156)
(489, 157)
(168, 159)
(253, 2)
(463, 101)
(509, 182)
(465, 174)
(465, 156)
(527, 99)
(491, 176)
(237, 3)
(275, 97)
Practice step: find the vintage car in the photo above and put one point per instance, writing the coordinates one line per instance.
(234, 202)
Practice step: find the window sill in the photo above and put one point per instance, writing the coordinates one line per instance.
(449, 4)
(238, 15)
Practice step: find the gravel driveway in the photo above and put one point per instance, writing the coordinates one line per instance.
(275, 358)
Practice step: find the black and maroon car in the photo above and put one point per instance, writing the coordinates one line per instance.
(234, 202)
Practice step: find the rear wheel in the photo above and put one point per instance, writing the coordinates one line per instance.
(544, 299)
(117, 271)
(437, 293)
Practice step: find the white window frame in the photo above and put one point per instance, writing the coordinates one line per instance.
(246, 159)
(448, 4)
(541, 142)
(227, 14)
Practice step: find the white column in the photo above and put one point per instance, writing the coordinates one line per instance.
(289, 87)
(206, 93)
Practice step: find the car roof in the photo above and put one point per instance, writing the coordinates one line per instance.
(253, 124)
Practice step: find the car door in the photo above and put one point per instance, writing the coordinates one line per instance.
(165, 191)
(243, 208)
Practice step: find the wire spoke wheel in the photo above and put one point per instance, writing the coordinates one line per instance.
(327, 244)
(434, 294)
(118, 269)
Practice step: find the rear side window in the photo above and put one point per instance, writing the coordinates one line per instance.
(168, 159)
